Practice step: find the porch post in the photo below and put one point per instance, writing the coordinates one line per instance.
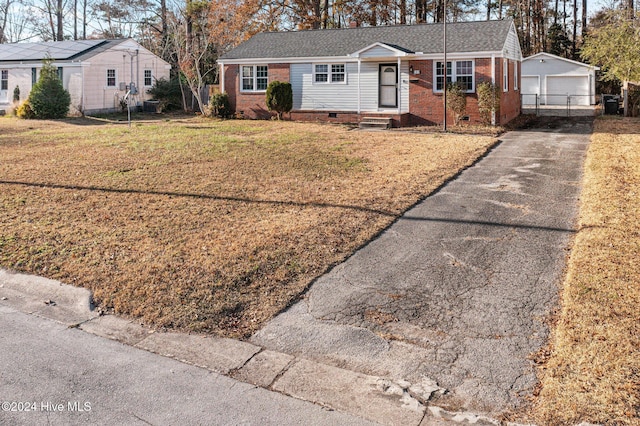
(359, 62)
(493, 82)
(399, 87)
(221, 77)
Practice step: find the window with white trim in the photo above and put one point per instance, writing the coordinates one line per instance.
(329, 73)
(515, 75)
(111, 78)
(4, 79)
(459, 71)
(505, 75)
(148, 78)
(255, 78)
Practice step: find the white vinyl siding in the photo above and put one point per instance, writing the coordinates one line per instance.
(308, 96)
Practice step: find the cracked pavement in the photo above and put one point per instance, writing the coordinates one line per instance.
(456, 292)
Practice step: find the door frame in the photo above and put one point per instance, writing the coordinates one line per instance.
(380, 66)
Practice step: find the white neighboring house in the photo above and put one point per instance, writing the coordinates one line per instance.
(96, 73)
(557, 81)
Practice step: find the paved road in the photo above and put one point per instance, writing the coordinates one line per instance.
(66, 376)
(458, 289)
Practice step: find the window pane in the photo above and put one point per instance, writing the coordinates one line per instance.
(322, 78)
(464, 68)
(337, 73)
(322, 68)
(262, 83)
(247, 83)
(261, 71)
(466, 82)
(4, 80)
(148, 78)
(247, 71)
(111, 78)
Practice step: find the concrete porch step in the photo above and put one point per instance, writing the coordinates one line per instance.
(376, 123)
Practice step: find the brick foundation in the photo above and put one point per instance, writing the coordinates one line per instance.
(425, 106)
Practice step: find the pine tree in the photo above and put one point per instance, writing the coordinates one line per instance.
(48, 99)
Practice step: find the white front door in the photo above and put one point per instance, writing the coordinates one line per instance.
(388, 86)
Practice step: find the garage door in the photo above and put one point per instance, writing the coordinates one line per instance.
(530, 89)
(558, 87)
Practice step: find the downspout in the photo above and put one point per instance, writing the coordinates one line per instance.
(493, 83)
(82, 100)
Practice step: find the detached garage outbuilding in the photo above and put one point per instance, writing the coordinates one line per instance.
(552, 80)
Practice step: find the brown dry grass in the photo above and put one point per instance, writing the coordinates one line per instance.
(209, 226)
(593, 373)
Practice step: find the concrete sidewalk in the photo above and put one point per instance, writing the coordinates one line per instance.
(53, 374)
(432, 323)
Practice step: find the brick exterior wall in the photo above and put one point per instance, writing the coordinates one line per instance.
(425, 106)
(510, 100)
(248, 104)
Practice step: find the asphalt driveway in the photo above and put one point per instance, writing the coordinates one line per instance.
(457, 291)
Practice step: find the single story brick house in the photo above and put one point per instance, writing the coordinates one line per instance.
(96, 73)
(343, 75)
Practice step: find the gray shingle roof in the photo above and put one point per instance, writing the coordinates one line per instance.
(481, 36)
(57, 50)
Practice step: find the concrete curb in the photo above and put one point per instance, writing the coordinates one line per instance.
(379, 399)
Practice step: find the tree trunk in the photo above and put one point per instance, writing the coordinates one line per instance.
(84, 20)
(164, 24)
(488, 10)
(575, 29)
(403, 12)
(59, 11)
(583, 29)
(325, 14)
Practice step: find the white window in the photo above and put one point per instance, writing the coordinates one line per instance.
(505, 75)
(329, 73)
(148, 78)
(459, 71)
(515, 75)
(255, 78)
(4, 79)
(111, 78)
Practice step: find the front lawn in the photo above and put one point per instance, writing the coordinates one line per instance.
(202, 225)
(593, 373)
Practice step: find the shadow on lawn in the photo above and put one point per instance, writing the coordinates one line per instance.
(400, 216)
(202, 196)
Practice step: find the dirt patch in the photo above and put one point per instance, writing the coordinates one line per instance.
(592, 370)
(209, 226)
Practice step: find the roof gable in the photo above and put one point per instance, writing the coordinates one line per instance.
(543, 55)
(380, 49)
(462, 37)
